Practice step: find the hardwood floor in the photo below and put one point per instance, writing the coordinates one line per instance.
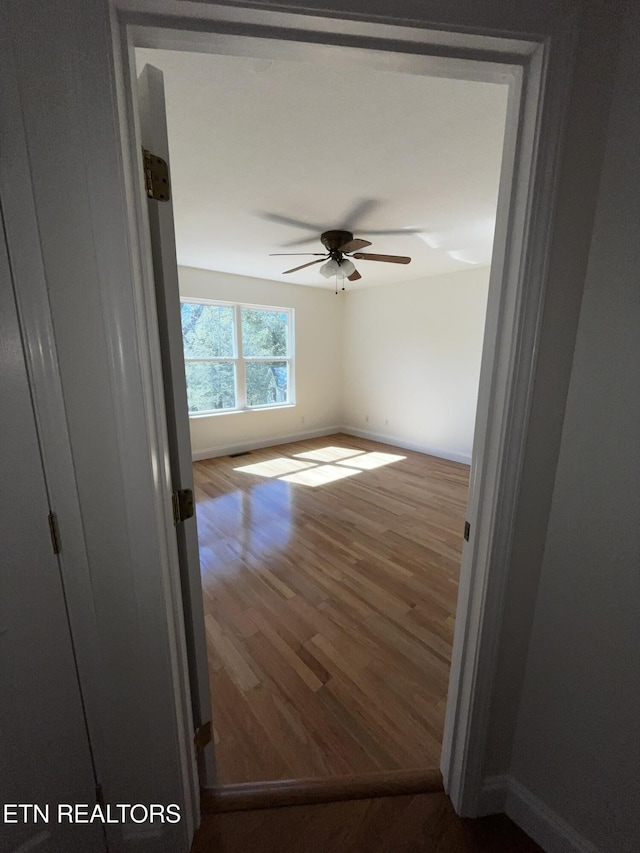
(329, 571)
(411, 824)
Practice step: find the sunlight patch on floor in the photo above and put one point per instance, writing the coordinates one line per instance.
(369, 461)
(275, 467)
(319, 476)
(329, 454)
(304, 470)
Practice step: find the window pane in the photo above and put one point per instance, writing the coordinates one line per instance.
(264, 333)
(267, 382)
(207, 330)
(211, 386)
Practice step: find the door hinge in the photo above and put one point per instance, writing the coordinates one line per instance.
(156, 176)
(54, 531)
(99, 796)
(182, 505)
(202, 736)
(467, 530)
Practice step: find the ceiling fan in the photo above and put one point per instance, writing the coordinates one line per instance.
(341, 246)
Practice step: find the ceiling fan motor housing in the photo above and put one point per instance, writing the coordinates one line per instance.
(332, 240)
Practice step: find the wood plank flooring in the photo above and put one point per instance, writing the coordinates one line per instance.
(330, 575)
(410, 824)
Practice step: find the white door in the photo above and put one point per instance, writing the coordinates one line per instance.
(153, 132)
(45, 756)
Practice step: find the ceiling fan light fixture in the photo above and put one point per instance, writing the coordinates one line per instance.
(347, 267)
(330, 268)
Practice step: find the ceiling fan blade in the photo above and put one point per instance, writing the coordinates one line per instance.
(286, 220)
(398, 231)
(310, 264)
(407, 232)
(354, 245)
(358, 211)
(388, 259)
(297, 254)
(355, 275)
(302, 242)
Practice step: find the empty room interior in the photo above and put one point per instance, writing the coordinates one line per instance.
(334, 230)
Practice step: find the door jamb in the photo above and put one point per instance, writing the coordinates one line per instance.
(516, 297)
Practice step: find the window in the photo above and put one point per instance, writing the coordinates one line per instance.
(236, 357)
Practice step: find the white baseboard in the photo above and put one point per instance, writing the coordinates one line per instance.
(542, 824)
(493, 797)
(241, 447)
(273, 441)
(384, 438)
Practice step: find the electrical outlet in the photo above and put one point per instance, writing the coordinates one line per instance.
(386, 423)
(302, 419)
(366, 419)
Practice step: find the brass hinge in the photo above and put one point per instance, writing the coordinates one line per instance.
(55, 533)
(156, 176)
(182, 505)
(99, 796)
(202, 736)
(467, 530)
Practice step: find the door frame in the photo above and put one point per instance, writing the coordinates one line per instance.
(538, 81)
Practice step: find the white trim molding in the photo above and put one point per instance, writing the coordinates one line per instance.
(514, 314)
(452, 456)
(541, 823)
(493, 796)
(274, 441)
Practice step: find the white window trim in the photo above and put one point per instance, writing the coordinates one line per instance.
(240, 360)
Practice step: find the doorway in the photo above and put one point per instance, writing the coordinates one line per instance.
(496, 459)
(309, 688)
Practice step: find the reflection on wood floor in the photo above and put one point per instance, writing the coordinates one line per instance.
(329, 571)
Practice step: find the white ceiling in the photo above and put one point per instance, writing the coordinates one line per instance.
(251, 138)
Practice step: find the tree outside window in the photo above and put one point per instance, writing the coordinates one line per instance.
(236, 356)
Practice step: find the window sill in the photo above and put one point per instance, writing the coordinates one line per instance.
(221, 412)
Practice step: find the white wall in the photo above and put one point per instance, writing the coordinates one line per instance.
(578, 738)
(318, 356)
(412, 361)
(406, 356)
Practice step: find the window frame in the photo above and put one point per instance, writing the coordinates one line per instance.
(239, 360)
